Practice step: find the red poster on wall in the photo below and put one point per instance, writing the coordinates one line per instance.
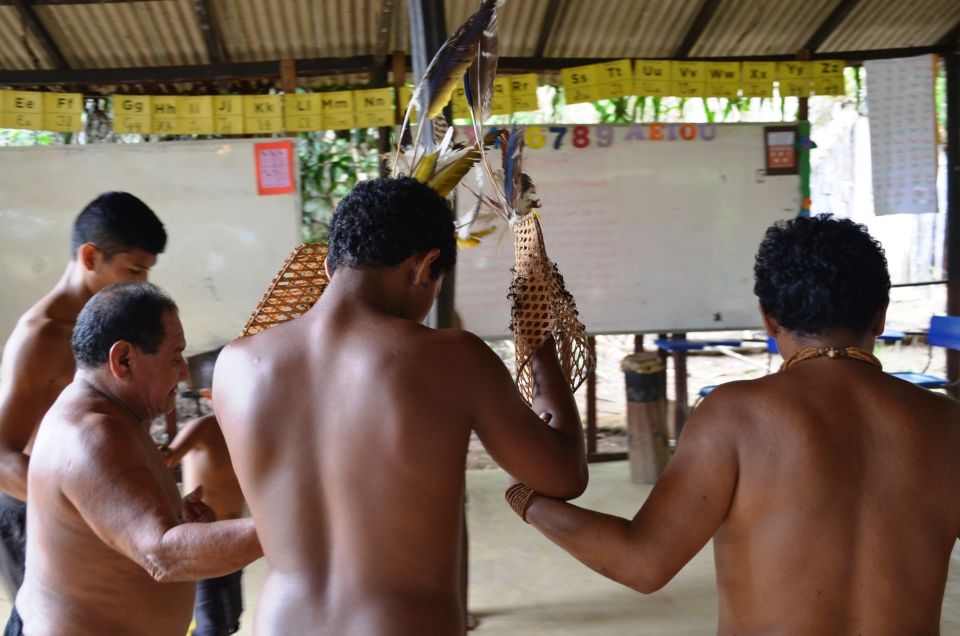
(275, 167)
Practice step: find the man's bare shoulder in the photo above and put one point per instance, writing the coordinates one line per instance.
(35, 340)
(244, 356)
(81, 434)
(463, 349)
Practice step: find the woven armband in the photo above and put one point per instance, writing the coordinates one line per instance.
(518, 496)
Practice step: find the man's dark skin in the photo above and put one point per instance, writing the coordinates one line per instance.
(37, 361)
(830, 491)
(349, 427)
(111, 549)
(206, 463)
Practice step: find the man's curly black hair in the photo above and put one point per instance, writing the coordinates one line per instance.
(383, 222)
(821, 273)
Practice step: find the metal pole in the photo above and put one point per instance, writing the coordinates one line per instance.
(428, 28)
(952, 66)
(592, 400)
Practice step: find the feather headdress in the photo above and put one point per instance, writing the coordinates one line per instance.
(469, 55)
(439, 163)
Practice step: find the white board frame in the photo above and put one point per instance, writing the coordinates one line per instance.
(655, 232)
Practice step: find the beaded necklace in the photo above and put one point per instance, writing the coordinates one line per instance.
(833, 353)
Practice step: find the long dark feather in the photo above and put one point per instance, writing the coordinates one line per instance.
(480, 75)
(445, 69)
(453, 58)
(511, 166)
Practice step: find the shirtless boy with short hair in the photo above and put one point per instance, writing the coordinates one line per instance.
(206, 463)
(116, 238)
(348, 428)
(830, 489)
(111, 548)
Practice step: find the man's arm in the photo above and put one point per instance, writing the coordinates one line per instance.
(550, 458)
(190, 436)
(683, 511)
(28, 387)
(120, 499)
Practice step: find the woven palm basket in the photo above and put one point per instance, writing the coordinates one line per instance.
(295, 289)
(541, 307)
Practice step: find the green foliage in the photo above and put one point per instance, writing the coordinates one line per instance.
(940, 99)
(11, 137)
(331, 163)
(614, 111)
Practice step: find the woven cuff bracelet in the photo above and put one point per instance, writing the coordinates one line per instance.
(518, 496)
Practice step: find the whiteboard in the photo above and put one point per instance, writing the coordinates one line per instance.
(225, 242)
(654, 228)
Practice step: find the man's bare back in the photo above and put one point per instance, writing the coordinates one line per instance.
(829, 488)
(351, 424)
(845, 509)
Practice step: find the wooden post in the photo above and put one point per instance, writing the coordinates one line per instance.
(288, 76)
(680, 385)
(647, 443)
(592, 400)
(399, 71)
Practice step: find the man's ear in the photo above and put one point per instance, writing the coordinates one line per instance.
(771, 324)
(88, 255)
(421, 267)
(121, 359)
(880, 322)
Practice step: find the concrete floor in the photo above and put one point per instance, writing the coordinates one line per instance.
(521, 585)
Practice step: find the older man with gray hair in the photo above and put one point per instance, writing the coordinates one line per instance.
(111, 547)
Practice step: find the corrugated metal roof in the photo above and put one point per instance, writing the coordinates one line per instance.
(883, 24)
(748, 27)
(255, 30)
(19, 48)
(143, 33)
(155, 33)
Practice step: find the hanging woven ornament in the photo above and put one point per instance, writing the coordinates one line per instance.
(541, 307)
(295, 289)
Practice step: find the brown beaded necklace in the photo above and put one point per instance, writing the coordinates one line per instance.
(853, 353)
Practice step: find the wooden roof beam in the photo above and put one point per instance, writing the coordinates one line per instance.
(178, 74)
(211, 35)
(33, 22)
(546, 27)
(53, 3)
(830, 24)
(951, 41)
(697, 27)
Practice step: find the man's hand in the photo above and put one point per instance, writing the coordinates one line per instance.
(194, 510)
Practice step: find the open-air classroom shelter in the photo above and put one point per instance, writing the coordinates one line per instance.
(179, 67)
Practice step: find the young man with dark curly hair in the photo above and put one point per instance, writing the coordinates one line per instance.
(116, 238)
(348, 428)
(830, 489)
